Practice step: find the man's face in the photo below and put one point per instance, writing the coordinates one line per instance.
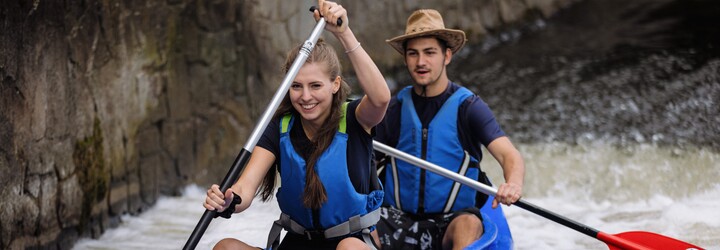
(426, 60)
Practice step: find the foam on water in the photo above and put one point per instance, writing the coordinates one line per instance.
(672, 192)
(170, 222)
(693, 219)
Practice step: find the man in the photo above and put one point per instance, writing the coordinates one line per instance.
(446, 124)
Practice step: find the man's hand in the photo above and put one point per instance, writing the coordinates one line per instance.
(508, 193)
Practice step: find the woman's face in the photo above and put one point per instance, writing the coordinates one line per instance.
(312, 92)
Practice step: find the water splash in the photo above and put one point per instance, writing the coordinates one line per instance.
(670, 191)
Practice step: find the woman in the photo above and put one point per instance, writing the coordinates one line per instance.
(323, 147)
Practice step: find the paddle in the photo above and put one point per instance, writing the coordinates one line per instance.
(244, 155)
(626, 240)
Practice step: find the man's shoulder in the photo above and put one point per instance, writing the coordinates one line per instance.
(454, 87)
(394, 103)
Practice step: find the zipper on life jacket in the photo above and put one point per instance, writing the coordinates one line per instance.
(421, 200)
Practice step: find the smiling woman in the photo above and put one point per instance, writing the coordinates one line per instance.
(321, 147)
(312, 93)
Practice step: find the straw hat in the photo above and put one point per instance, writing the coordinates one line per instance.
(428, 22)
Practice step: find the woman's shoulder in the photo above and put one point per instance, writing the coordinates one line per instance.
(353, 125)
(352, 105)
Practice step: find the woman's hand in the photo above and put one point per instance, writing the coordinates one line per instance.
(218, 201)
(332, 13)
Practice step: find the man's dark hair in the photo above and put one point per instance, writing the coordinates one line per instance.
(443, 44)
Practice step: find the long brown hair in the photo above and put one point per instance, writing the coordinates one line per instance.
(314, 194)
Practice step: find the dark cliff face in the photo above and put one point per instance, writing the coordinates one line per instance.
(614, 71)
(104, 106)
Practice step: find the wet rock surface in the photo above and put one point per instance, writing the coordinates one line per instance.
(637, 72)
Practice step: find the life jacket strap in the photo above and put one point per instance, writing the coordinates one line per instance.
(355, 224)
(367, 238)
(358, 223)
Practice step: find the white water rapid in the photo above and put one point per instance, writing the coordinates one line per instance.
(669, 191)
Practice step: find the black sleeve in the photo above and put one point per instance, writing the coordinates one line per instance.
(386, 131)
(484, 128)
(353, 125)
(270, 139)
(360, 167)
(384, 134)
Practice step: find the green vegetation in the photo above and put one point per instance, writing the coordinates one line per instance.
(92, 172)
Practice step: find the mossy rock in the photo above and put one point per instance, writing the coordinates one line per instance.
(92, 171)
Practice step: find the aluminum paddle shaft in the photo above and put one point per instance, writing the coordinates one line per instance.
(636, 240)
(244, 155)
(434, 168)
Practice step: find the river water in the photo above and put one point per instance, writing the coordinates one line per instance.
(615, 106)
(673, 192)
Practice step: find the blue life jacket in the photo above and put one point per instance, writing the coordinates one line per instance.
(416, 190)
(343, 202)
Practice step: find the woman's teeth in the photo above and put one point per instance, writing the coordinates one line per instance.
(309, 106)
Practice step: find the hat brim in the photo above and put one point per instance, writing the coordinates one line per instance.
(455, 39)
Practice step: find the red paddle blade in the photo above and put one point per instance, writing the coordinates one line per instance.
(644, 240)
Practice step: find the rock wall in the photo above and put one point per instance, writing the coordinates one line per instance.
(106, 105)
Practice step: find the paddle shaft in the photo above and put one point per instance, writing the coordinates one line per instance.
(492, 192)
(244, 155)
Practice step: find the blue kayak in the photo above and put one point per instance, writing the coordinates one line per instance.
(496, 234)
